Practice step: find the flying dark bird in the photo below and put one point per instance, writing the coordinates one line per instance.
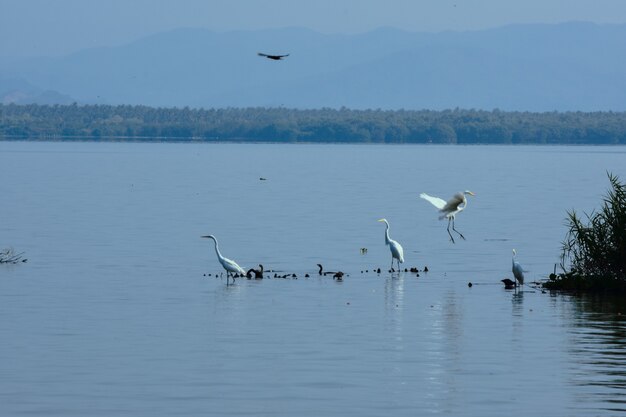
(274, 57)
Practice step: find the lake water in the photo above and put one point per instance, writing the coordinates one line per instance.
(115, 313)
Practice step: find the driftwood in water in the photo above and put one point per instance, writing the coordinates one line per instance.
(8, 256)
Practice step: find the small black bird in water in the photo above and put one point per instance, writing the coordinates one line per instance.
(338, 276)
(258, 273)
(274, 57)
(508, 284)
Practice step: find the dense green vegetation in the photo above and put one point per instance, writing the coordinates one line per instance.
(324, 125)
(596, 249)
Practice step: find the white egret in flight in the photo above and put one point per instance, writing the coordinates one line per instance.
(397, 252)
(517, 270)
(229, 265)
(449, 209)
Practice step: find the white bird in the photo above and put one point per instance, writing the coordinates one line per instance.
(517, 270)
(449, 209)
(396, 249)
(229, 265)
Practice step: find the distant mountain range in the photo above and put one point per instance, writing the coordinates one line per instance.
(534, 67)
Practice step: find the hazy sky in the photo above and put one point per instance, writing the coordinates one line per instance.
(53, 27)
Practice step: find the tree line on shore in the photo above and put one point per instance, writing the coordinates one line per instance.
(261, 124)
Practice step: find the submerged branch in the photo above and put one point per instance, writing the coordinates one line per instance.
(8, 256)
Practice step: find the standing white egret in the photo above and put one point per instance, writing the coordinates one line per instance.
(229, 265)
(396, 249)
(450, 208)
(517, 270)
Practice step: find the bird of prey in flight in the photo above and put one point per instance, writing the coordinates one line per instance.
(274, 57)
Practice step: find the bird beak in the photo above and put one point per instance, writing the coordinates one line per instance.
(471, 193)
(381, 220)
(203, 236)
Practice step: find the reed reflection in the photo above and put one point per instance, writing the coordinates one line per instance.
(597, 345)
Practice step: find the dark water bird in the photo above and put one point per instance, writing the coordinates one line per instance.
(322, 272)
(397, 252)
(274, 57)
(425, 269)
(517, 270)
(449, 209)
(229, 265)
(469, 284)
(338, 276)
(262, 179)
(258, 273)
(508, 283)
(363, 251)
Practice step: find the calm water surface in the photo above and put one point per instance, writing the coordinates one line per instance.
(115, 312)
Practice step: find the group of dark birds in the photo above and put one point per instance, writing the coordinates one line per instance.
(259, 273)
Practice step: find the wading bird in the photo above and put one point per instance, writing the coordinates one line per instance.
(397, 252)
(322, 272)
(517, 270)
(449, 209)
(274, 57)
(229, 265)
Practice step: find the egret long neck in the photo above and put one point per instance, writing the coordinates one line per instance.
(217, 249)
(464, 202)
(387, 239)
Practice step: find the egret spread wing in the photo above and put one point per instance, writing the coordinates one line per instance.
(454, 203)
(435, 201)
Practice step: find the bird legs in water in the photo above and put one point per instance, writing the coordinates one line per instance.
(451, 219)
(398, 261)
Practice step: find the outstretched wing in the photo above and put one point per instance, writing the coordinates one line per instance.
(274, 57)
(435, 201)
(454, 203)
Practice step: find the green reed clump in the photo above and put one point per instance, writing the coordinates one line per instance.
(596, 248)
